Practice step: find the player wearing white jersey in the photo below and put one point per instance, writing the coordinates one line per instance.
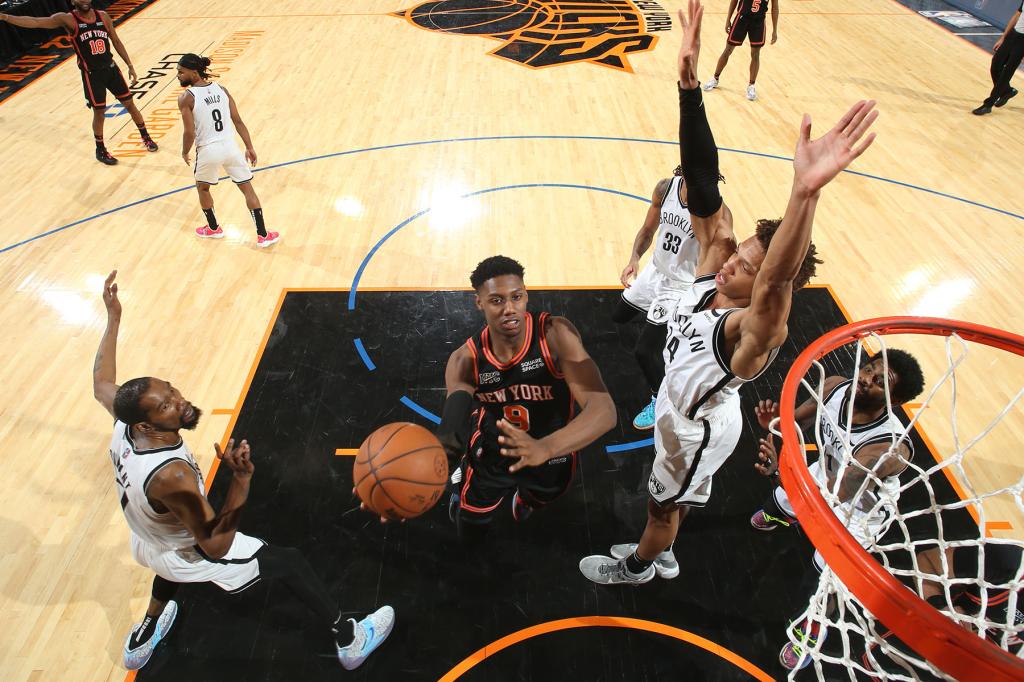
(211, 120)
(854, 419)
(659, 284)
(738, 318)
(174, 530)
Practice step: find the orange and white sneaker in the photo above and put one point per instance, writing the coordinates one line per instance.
(271, 239)
(206, 233)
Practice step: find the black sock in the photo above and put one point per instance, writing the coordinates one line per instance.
(143, 131)
(211, 219)
(99, 143)
(257, 217)
(145, 631)
(344, 632)
(636, 565)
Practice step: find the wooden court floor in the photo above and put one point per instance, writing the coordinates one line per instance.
(362, 120)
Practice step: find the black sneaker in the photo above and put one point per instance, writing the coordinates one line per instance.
(1006, 98)
(149, 144)
(982, 110)
(103, 156)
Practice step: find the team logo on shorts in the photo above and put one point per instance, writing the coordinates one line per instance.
(542, 33)
(659, 312)
(654, 486)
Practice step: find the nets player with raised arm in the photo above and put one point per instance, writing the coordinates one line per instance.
(749, 22)
(656, 288)
(512, 390)
(877, 442)
(174, 530)
(210, 120)
(92, 33)
(730, 328)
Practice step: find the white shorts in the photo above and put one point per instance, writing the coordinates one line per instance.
(235, 571)
(650, 283)
(210, 158)
(864, 527)
(688, 453)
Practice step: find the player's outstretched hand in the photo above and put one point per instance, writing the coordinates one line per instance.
(816, 162)
(236, 458)
(689, 50)
(110, 299)
(518, 444)
(363, 507)
(768, 460)
(629, 272)
(766, 411)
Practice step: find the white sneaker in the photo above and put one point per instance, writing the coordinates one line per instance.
(605, 570)
(751, 93)
(370, 633)
(139, 656)
(711, 84)
(665, 565)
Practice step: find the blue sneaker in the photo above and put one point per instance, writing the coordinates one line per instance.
(140, 655)
(370, 633)
(645, 420)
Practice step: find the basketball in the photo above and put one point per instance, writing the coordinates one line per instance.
(400, 471)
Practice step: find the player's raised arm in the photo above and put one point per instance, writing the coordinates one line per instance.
(645, 235)
(104, 368)
(59, 20)
(710, 217)
(459, 382)
(763, 325)
(175, 486)
(597, 411)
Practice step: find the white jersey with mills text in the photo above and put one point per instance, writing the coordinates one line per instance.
(133, 470)
(698, 377)
(834, 439)
(675, 249)
(212, 114)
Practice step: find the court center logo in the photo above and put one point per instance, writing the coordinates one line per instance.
(543, 33)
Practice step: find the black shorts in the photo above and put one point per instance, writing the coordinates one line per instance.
(747, 25)
(484, 487)
(96, 83)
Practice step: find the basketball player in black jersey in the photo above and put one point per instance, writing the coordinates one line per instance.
(92, 33)
(512, 391)
(747, 22)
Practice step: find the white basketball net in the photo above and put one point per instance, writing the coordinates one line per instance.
(856, 645)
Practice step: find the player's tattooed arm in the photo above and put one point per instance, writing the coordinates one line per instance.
(104, 368)
(645, 235)
(119, 46)
(881, 459)
(59, 20)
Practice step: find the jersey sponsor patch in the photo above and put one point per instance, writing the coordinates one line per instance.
(489, 377)
(532, 364)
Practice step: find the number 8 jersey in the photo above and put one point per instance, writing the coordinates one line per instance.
(528, 391)
(212, 113)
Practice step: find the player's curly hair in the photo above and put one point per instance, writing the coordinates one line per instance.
(766, 229)
(495, 266)
(128, 401)
(197, 63)
(910, 382)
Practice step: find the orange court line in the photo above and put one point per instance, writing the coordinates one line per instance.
(347, 452)
(604, 621)
(998, 525)
(223, 410)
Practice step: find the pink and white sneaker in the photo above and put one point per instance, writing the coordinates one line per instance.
(271, 239)
(205, 232)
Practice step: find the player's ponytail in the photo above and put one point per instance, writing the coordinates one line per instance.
(196, 63)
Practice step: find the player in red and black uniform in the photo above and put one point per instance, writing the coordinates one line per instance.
(748, 21)
(92, 34)
(509, 416)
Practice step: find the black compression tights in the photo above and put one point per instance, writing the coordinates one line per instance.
(288, 565)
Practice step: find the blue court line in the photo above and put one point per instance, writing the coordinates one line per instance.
(600, 138)
(362, 353)
(419, 409)
(634, 445)
(392, 231)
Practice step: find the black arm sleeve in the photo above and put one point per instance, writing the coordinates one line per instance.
(454, 429)
(699, 154)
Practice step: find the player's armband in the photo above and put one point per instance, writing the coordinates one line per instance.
(454, 429)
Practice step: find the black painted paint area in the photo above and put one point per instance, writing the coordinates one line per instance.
(312, 394)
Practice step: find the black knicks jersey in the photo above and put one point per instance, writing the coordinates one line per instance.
(755, 9)
(91, 43)
(528, 391)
